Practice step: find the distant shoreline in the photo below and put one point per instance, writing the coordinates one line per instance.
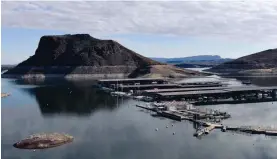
(241, 72)
(111, 76)
(244, 75)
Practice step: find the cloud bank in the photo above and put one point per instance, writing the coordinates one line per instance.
(248, 20)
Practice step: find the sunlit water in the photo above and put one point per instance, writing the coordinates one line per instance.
(112, 128)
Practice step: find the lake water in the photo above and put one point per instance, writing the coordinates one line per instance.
(108, 127)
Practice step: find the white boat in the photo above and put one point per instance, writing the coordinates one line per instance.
(105, 89)
(143, 98)
(138, 97)
(119, 94)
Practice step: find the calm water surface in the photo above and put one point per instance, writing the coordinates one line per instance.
(107, 127)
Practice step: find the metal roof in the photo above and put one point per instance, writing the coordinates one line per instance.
(192, 93)
(183, 89)
(216, 91)
(132, 79)
(149, 85)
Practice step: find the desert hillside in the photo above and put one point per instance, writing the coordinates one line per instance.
(261, 62)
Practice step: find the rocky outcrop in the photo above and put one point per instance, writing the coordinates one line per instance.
(80, 54)
(83, 50)
(43, 141)
(258, 63)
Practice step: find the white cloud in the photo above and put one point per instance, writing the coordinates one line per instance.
(248, 20)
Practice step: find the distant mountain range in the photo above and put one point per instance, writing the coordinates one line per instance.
(261, 63)
(183, 62)
(194, 61)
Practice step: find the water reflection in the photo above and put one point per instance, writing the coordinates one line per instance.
(125, 132)
(72, 99)
(58, 81)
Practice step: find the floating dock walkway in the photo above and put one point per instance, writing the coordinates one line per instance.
(147, 86)
(157, 86)
(208, 125)
(204, 92)
(183, 89)
(152, 83)
(132, 81)
(217, 93)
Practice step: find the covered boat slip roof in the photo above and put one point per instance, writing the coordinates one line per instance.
(167, 85)
(202, 85)
(150, 85)
(192, 93)
(216, 91)
(183, 89)
(183, 84)
(132, 79)
(250, 88)
(198, 83)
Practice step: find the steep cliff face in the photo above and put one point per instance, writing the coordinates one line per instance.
(262, 60)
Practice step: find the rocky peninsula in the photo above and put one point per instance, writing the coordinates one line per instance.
(83, 56)
(263, 63)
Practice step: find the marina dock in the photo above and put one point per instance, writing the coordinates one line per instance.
(176, 101)
(147, 86)
(200, 83)
(132, 81)
(152, 83)
(194, 115)
(183, 89)
(158, 86)
(202, 92)
(235, 93)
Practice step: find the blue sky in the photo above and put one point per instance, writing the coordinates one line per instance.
(153, 29)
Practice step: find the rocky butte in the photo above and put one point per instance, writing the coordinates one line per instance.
(257, 64)
(82, 56)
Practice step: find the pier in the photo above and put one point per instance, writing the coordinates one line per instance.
(184, 111)
(159, 87)
(235, 93)
(207, 122)
(152, 83)
(198, 93)
(132, 81)
(200, 83)
(177, 101)
(183, 89)
(147, 86)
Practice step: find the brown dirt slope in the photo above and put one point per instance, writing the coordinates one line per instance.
(155, 71)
